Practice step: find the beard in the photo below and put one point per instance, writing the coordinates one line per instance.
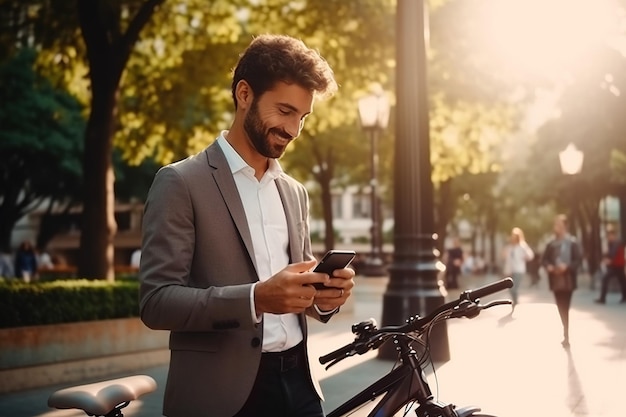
(259, 134)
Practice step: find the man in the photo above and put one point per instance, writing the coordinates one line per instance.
(561, 260)
(453, 264)
(226, 253)
(614, 262)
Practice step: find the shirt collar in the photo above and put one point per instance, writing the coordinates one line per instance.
(237, 163)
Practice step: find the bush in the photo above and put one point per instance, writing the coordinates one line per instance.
(66, 301)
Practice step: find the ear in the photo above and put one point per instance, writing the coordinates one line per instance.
(244, 94)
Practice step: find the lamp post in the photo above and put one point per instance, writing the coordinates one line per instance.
(374, 116)
(571, 160)
(414, 286)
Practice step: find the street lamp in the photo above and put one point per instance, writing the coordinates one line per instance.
(374, 116)
(414, 287)
(571, 159)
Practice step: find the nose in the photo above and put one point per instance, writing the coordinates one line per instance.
(294, 127)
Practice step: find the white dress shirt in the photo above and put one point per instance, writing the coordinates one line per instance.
(270, 239)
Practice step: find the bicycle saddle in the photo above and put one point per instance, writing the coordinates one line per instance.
(101, 397)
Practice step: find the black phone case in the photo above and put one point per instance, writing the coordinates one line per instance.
(334, 259)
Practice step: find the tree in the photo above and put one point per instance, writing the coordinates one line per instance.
(166, 94)
(40, 131)
(108, 45)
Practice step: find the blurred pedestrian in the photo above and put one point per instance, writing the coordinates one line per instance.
(44, 260)
(614, 263)
(6, 265)
(532, 269)
(454, 263)
(515, 256)
(561, 260)
(26, 261)
(135, 258)
(469, 264)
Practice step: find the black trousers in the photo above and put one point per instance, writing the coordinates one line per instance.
(283, 387)
(611, 272)
(563, 302)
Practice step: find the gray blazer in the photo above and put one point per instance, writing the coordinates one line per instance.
(197, 269)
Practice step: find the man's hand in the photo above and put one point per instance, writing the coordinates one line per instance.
(289, 291)
(339, 289)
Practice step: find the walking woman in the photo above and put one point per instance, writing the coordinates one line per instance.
(515, 256)
(561, 260)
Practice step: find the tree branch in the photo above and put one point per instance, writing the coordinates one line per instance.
(130, 37)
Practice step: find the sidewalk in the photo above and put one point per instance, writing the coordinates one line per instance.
(511, 366)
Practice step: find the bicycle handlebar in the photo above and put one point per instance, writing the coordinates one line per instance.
(489, 289)
(362, 346)
(337, 354)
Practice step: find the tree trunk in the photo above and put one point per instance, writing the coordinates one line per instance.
(327, 209)
(98, 226)
(108, 51)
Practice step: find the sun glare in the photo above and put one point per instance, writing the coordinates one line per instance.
(547, 38)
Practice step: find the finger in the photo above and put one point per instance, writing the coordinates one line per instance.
(308, 278)
(345, 283)
(303, 266)
(345, 273)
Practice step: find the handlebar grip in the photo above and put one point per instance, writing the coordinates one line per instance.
(342, 351)
(489, 289)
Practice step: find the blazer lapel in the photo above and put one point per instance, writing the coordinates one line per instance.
(226, 184)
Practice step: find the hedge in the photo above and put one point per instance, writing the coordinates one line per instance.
(66, 301)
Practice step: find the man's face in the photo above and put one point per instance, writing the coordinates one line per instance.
(559, 227)
(276, 118)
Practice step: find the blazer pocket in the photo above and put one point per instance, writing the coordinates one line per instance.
(195, 341)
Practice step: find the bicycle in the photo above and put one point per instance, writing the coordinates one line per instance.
(404, 387)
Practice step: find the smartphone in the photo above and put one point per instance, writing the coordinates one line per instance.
(334, 259)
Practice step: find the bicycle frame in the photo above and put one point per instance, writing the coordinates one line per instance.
(399, 387)
(403, 386)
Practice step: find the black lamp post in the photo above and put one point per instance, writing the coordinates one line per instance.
(571, 160)
(414, 286)
(374, 116)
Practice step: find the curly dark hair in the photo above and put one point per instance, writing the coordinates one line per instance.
(272, 58)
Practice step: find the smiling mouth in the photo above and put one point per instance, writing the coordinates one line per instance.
(282, 139)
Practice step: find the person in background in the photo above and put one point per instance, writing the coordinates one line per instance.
(454, 263)
(561, 259)
(6, 265)
(226, 258)
(469, 264)
(135, 258)
(515, 255)
(614, 262)
(44, 260)
(26, 262)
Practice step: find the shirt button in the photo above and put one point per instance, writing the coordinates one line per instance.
(256, 342)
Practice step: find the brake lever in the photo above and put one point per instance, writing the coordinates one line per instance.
(466, 308)
(339, 359)
(335, 362)
(495, 303)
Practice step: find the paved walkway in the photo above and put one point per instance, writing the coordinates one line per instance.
(510, 365)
